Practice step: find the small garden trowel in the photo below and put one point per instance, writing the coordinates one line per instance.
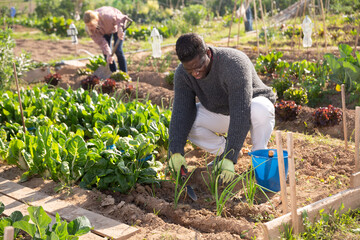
(189, 190)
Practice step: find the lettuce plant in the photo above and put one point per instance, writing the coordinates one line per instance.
(287, 110)
(327, 116)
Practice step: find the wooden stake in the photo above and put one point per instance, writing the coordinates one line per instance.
(357, 138)
(9, 233)
(256, 26)
(232, 20)
(323, 16)
(357, 39)
(344, 114)
(238, 35)
(315, 25)
(293, 200)
(293, 36)
(265, 30)
(17, 86)
(281, 172)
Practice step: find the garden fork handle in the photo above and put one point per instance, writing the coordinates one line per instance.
(118, 40)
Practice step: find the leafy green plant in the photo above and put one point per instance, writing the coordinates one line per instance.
(314, 88)
(7, 58)
(281, 85)
(327, 116)
(95, 62)
(290, 31)
(299, 95)
(84, 71)
(267, 64)
(41, 227)
(327, 224)
(193, 14)
(71, 137)
(287, 110)
(10, 220)
(170, 78)
(119, 76)
(345, 69)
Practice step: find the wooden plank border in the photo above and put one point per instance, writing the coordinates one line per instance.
(103, 226)
(12, 205)
(350, 199)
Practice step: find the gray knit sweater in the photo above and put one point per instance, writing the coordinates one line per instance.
(228, 89)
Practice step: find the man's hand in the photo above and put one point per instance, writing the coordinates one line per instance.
(121, 33)
(176, 161)
(109, 59)
(227, 170)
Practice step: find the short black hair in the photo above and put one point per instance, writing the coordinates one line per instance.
(190, 45)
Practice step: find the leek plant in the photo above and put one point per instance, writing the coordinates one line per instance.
(250, 186)
(180, 186)
(226, 194)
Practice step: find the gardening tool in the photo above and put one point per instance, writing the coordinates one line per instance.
(104, 72)
(189, 190)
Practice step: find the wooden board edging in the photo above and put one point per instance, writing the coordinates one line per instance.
(350, 199)
(12, 205)
(102, 225)
(355, 180)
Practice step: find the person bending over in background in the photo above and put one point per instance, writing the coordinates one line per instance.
(233, 100)
(102, 24)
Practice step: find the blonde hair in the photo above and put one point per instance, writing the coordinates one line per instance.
(90, 16)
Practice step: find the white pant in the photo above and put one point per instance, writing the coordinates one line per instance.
(207, 124)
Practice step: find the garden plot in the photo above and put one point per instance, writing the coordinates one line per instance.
(323, 168)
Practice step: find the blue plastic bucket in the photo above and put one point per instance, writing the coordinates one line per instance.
(267, 169)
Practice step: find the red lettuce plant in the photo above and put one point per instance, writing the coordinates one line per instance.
(287, 110)
(327, 116)
(89, 82)
(108, 86)
(52, 79)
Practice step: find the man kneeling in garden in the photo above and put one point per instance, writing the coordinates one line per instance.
(233, 100)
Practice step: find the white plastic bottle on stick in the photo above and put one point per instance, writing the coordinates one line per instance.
(307, 26)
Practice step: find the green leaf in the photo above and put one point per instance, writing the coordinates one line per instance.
(345, 50)
(358, 58)
(77, 149)
(15, 148)
(4, 222)
(16, 216)
(40, 218)
(65, 169)
(60, 228)
(2, 207)
(26, 226)
(53, 236)
(352, 71)
(79, 226)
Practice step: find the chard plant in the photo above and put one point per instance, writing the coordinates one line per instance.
(41, 227)
(83, 137)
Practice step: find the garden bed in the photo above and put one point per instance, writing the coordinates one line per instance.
(323, 168)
